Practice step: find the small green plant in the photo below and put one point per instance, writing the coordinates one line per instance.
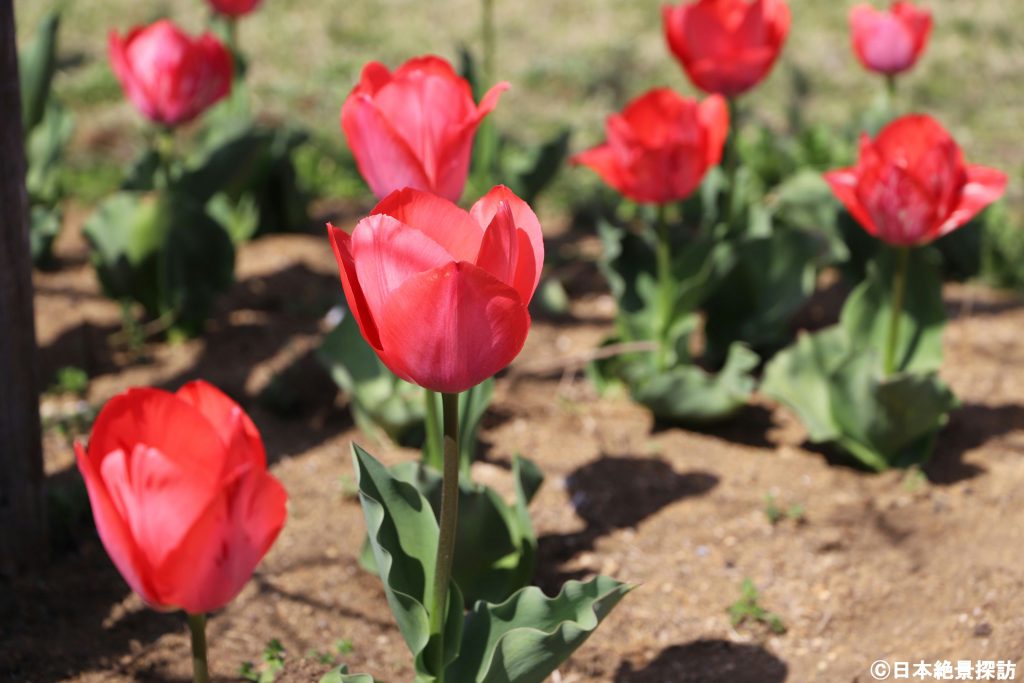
(748, 608)
(268, 670)
(776, 511)
(70, 380)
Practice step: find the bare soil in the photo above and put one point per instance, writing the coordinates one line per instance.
(892, 566)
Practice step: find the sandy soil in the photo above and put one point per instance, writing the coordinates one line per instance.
(896, 567)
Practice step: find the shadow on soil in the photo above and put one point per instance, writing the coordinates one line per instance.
(708, 661)
(614, 492)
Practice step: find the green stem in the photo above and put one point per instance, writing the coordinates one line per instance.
(432, 446)
(899, 288)
(730, 165)
(164, 144)
(890, 90)
(488, 133)
(488, 34)
(665, 284)
(448, 526)
(197, 626)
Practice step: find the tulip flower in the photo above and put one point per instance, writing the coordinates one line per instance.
(414, 127)
(181, 496)
(889, 42)
(911, 185)
(234, 8)
(169, 76)
(726, 46)
(660, 146)
(441, 294)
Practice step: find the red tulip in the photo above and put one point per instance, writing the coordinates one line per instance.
(660, 147)
(441, 294)
(169, 76)
(414, 127)
(181, 495)
(911, 186)
(889, 42)
(234, 8)
(726, 46)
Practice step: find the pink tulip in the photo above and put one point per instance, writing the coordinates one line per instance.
(441, 294)
(414, 127)
(180, 494)
(170, 77)
(889, 42)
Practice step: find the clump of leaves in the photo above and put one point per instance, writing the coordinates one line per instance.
(341, 648)
(776, 511)
(268, 670)
(748, 608)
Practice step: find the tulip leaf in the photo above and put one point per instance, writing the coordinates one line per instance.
(380, 401)
(841, 396)
(495, 549)
(538, 168)
(769, 279)
(37, 64)
(867, 313)
(690, 394)
(44, 225)
(473, 404)
(529, 635)
(403, 534)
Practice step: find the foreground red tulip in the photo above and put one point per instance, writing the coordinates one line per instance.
(441, 294)
(234, 8)
(181, 495)
(414, 127)
(169, 76)
(891, 41)
(660, 146)
(726, 46)
(911, 186)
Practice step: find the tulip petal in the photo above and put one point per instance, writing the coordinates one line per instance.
(984, 186)
(235, 428)
(484, 211)
(114, 532)
(713, 114)
(437, 218)
(226, 543)
(341, 242)
(506, 253)
(384, 157)
(452, 327)
(386, 253)
(844, 186)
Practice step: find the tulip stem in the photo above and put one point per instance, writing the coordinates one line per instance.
(890, 89)
(197, 625)
(432, 446)
(164, 145)
(899, 288)
(664, 261)
(448, 527)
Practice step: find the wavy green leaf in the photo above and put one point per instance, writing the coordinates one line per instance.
(525, 638)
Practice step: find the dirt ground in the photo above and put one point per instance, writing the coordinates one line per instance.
(896, 566)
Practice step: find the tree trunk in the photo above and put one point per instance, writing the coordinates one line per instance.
(22, 505)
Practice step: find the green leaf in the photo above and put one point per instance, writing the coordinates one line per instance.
(805, 202)
(689, 394)
(495, 548)
(753, 301)
(37, 63)
(44, 226)
(163, 251)
(525, 638)
(403, 533)
(473, 404)
(867, 312)
(798, 377)
(841, 396)
(380, 401)
(44, 152)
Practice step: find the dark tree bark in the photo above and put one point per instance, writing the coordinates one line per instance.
(22, 505)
